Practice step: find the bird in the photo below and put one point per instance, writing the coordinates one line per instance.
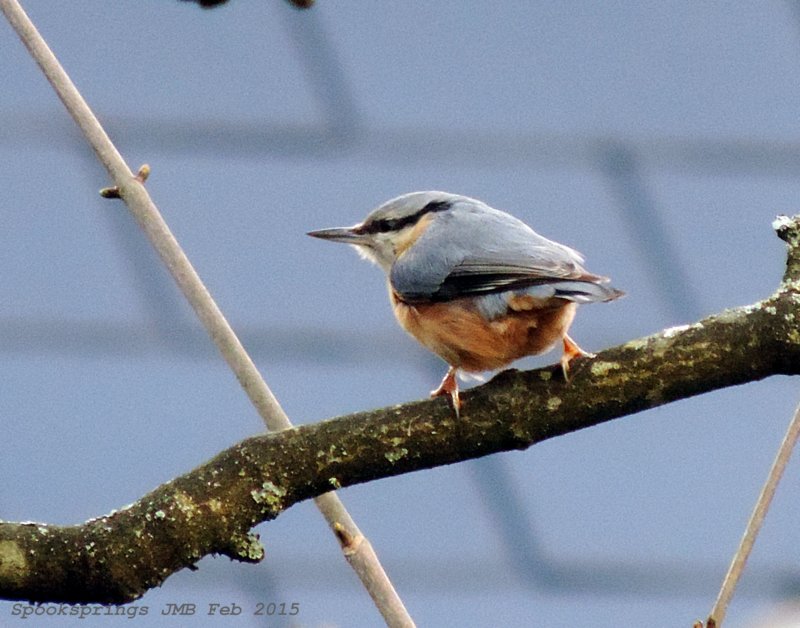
(473, 284)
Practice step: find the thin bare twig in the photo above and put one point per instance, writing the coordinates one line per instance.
(760, 510)
(361, 556)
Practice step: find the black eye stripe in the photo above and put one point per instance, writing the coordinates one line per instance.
(395, 224)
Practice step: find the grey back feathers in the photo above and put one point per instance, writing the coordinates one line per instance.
(474, 249)
(467, 249)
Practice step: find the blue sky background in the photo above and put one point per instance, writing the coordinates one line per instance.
(660, 139)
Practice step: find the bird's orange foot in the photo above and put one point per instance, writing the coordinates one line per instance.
(449, 387)
(571, 351)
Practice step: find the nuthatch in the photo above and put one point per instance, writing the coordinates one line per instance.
(473, 284)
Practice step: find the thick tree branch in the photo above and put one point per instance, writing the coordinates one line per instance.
(116, 558)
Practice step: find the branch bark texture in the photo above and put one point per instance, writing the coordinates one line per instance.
(118, 557)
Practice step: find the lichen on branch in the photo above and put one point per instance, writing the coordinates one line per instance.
(211, 509)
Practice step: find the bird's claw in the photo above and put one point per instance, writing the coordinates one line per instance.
(449, 388)
(572, 351)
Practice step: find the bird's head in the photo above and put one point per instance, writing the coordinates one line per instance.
(393, 227)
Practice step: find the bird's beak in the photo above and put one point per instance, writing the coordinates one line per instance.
(348, 235)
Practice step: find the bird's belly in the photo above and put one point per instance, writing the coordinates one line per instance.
(464, 338)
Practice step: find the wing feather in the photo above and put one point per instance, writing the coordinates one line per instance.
(473, 250)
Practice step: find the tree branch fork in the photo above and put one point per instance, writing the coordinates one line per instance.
(116, 558)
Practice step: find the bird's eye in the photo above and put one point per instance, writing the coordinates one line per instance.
(387, 225)
(378, 226)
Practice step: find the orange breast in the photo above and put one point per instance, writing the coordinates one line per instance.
(459, 334)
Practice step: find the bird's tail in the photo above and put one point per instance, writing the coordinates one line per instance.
(586, 291)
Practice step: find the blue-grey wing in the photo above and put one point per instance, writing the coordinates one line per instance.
(475, 250)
